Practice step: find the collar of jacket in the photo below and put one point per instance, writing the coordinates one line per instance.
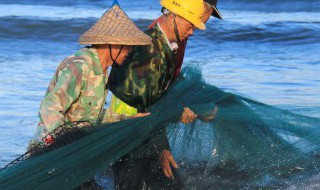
(173, 46)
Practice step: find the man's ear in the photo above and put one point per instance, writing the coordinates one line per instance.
(170, 16)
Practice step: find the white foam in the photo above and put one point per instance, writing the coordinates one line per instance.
(64, 13)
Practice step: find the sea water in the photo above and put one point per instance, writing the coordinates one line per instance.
(264, 49)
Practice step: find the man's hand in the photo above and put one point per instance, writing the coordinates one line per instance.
(188, 116)
(82, 124)
(140, 115)
(209, 116)
(166, 159)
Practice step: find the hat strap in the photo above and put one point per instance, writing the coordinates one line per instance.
(114, 60)
(176, 29)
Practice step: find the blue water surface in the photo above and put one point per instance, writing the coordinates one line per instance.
(267, 50)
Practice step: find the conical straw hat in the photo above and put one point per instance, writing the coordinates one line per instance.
(115, 27)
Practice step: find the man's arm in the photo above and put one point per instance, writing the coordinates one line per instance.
(65, 91)
(165, 157)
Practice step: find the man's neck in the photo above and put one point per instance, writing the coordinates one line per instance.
(172, 44)
(166, 30)
(104, 57)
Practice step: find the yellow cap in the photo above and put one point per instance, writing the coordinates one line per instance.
(191, 10)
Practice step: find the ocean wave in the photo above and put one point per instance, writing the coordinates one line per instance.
(48, 22)
(272, 5)
(51, 30)
(258, 17)
(67, 12)
(286, 33)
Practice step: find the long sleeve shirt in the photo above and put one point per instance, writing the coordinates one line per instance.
(180, 51)
(142, 80)
(146, 74)
(77, 92)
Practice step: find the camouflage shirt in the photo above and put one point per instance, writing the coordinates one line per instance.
(142, 80)
(146, 73)
(77, 92)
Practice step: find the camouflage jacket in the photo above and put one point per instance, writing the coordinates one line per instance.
(77, 92)
(142, 80)
(146, 74)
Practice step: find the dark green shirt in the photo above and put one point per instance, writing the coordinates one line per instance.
(146, 74)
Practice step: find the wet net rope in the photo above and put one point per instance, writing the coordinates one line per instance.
(235, 142)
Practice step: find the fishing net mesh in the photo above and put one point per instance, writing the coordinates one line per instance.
(236, 142)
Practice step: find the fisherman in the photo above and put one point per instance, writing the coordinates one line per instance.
(210, 10)
(141, 81)
(210, 7)
(77, 91)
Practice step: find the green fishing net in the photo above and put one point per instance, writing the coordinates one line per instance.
(236, 143)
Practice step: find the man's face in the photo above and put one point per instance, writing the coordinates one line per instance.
(123, 54)
(185, 28)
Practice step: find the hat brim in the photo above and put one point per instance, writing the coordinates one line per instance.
(201, 26)
(216, 13)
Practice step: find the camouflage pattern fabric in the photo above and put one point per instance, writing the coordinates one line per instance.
(77, 92)
(146, 74)
(140, 81)
(180, 52)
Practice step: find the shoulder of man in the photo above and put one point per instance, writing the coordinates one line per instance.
(80, 59)
(153, 33)
(157, 41)
(146, 51)
(141, 55)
